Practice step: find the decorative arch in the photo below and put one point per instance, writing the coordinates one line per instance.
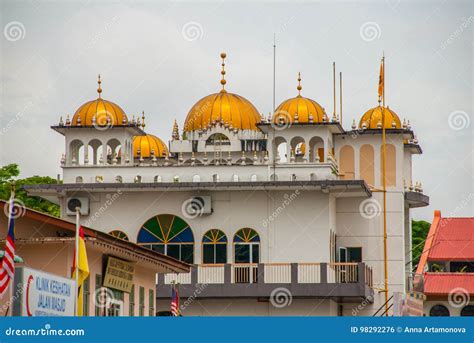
(390, 165)
(119, 234)
(439, 311)
(246, 246)
(366, 164)
(280, 147)
(346, 159)
(214, 247)
(467, 311)
(76, 152)
(218, 139)
(169, 235)
(79, 179)
(316, 149)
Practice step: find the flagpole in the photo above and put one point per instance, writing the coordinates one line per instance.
(12, 282)
(76, 257)
(384, 188)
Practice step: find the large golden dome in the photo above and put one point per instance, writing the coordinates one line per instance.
(104, 111)
(148, 143)
(301, 106)
(229, 108)
(373, 119)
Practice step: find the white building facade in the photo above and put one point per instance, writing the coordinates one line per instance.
(278, 216)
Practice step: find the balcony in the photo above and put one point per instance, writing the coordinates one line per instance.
(343, 282)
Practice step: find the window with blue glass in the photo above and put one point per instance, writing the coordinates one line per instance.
(170, 235)
(214, 247)
(246, 246)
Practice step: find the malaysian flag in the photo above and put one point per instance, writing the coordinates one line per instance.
(7, 267)
(174, 301)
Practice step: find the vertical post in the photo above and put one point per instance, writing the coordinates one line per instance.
(274, 69)
(294, 273)
(194, 275)
(227, 273)
(324, 273)
(260, 273)
(76, 261)
(340, 96)
(361, 273)
(384, 188)
(334, 87)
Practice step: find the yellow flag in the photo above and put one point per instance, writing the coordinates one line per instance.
(83, 267)
(381, 80)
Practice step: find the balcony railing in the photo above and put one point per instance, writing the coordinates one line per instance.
(342, 280)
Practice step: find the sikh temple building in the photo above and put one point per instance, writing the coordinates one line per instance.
(277, 215)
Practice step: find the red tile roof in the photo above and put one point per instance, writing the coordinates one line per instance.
(453, 240)
(445, 283)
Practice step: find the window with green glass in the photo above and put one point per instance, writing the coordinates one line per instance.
(131, 303)
(214, 247)
(151, 304)
(141, 304)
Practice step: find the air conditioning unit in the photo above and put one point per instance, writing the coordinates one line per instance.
(198, 205)
(74, 202)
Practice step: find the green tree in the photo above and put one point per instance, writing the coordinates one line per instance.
(420, 229)
(9, 174)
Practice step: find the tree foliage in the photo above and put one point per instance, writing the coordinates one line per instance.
(419, 233)
(10, 173)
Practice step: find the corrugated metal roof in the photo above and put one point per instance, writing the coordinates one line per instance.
(446, 283)
(454, 240)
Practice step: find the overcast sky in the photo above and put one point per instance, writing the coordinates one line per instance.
(161, 57)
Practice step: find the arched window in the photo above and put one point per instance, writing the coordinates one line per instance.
(235, 178)
(169, 235)
(214, 247)
(467, 311)
(215, 178)
(176, 178)
(157, 178)
(246, 246)
(366, 164)
(118, 179)
(218, 139)
(390, 165)
(346, 158)
(439, 311)
(196, 178)
(253, 178)
(119, 234)
(79, 179)
(138, 179)
(273, 177)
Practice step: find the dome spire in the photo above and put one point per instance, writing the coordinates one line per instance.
(299, 88)
(223, 81)
(99, 89)
(143, 119)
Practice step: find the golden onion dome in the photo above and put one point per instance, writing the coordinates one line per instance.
(303, 107)
(147, 144)
(373, 119)
(228, 108)
(105, 113)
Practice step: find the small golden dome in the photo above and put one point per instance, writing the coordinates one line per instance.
(373, 119)
(303, 107)
(228, 108)
(101, 109)
(148, 143)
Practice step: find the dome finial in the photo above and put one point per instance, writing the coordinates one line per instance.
(99, 89)
(299, 88)
(143, 119)
(223, 81)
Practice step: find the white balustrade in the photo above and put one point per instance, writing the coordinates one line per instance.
(309, 273)
(277, 273)
(182, 278)
(211, 273)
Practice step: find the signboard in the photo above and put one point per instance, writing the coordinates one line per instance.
(119, 275)
(410, 304)
(37, 294)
